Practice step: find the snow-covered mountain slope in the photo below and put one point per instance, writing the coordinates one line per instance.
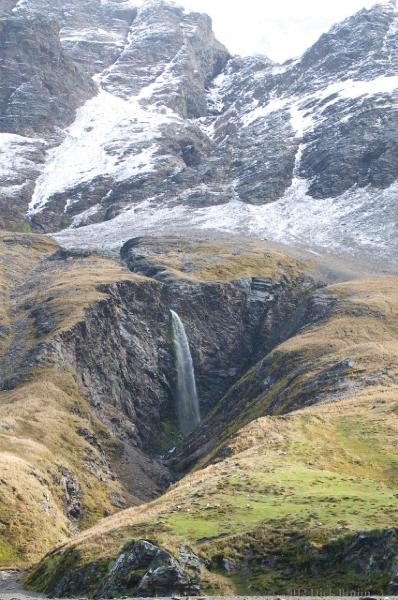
(173, 134)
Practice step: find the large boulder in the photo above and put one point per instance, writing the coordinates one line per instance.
(147, 570)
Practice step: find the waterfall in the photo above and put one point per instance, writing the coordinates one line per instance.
(187, 398)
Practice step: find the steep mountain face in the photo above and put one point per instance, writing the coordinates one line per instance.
(178, 136)
(41, 88)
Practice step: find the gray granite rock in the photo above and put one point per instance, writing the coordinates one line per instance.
(182, 136)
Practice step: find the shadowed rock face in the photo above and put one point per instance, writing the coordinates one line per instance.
(123, 351)
(17, 178)
(92, 33)
(41, 87)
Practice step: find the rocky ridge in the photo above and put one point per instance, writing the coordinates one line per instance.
(179, 136)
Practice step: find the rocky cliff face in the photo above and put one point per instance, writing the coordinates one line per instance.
(36, 73)
(106, 332)
(179, 136)
(122, 352)
(41, 88)
(293, 485)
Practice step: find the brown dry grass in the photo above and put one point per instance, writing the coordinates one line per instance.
(39, 439)
(19, 255)
(363, 329)
(211, 260)
(65, 289)
(40, 419)
(342, 449)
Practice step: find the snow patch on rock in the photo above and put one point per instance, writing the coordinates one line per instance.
(332, 224)
(18, 156)
(111, 136)
(302, 119)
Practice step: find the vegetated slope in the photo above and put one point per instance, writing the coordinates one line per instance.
(347, 343)
(87, 370)
(55, 454)
(304, 499)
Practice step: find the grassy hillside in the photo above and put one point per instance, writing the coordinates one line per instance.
(289, 483)
(276, 493)
(50, 472)
(45, 482)
(57, 460)
(209, 259)
(353, 344)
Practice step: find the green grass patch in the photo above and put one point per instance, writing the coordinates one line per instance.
(8, 555)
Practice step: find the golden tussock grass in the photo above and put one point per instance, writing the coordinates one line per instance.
(40, 419)
(40, 443)
(337, 461)
(212, 260)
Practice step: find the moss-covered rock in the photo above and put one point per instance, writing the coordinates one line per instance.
(141, 568)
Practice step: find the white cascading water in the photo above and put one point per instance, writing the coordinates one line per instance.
(188, 410)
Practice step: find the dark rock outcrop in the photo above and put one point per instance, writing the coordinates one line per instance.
(370, 555)
(146, 570)
(142, 568)
(41, 87)
(362, 561)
